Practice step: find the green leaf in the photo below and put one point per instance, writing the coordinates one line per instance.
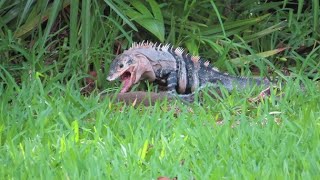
(156, 10)
(120, 14)
(75, 128)
(266, 31)
(247, 59)
(219, 17)
(151, 21)
(86, 29)
(316, 15)
(30, 25)
(74, 8)
(144, 150)
(233, 25)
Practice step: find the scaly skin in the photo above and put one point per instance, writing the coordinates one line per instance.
(178, 71)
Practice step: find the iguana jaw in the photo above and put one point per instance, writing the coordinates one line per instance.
(131, 69)
(127, 78)
(134, 74)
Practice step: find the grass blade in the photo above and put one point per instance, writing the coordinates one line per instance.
(316, 16)
(219, 17)
(35, 21)
(120, 14)
(86, 29)
(247, 59)
(74, 8)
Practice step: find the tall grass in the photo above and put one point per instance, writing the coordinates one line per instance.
(50, 130)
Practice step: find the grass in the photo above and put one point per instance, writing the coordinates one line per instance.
(50, 130)
(53, 131)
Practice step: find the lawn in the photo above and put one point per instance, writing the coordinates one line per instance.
(58, 120)
(53, 131)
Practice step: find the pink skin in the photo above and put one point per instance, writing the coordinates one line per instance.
(140, 70)
(135, 73)
(128, 79)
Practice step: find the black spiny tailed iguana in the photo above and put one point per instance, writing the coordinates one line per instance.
(172, 67)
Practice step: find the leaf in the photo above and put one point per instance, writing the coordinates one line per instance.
(119, 26)
(192, 47)
(156, 10)
(75, 128)
(120, 13)
(233, 25)
(219, 17)
(11, 14)
(246, 59)
(63, 144)
(266, 31)
(27, 8)
(153, 26)
(86, 29)
(74, 8)
(151, 21)
(316, 16)
(143, 151)
(29, 25)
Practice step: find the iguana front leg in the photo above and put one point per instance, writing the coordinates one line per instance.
(172, 81)
(169, 79)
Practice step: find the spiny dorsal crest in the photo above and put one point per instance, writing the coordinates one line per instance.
(162, 47)
(166, 47)
(195, 58)
(155, 46)
(142, 44)
(206, 63)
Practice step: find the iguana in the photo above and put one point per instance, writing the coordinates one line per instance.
(173, 68)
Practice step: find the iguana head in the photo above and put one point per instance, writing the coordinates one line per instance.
(131, 67)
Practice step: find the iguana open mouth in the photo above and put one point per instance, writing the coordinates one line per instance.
(127, 78)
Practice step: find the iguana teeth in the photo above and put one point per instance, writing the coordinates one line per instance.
(177, 70)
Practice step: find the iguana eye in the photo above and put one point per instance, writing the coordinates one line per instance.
(121, 66)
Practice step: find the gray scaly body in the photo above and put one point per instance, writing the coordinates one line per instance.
(173, 68)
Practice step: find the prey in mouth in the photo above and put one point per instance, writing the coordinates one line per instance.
(130, 69)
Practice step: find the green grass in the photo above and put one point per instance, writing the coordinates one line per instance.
(53, 131)
(50, 130)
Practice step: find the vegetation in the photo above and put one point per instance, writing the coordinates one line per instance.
(54, 58)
